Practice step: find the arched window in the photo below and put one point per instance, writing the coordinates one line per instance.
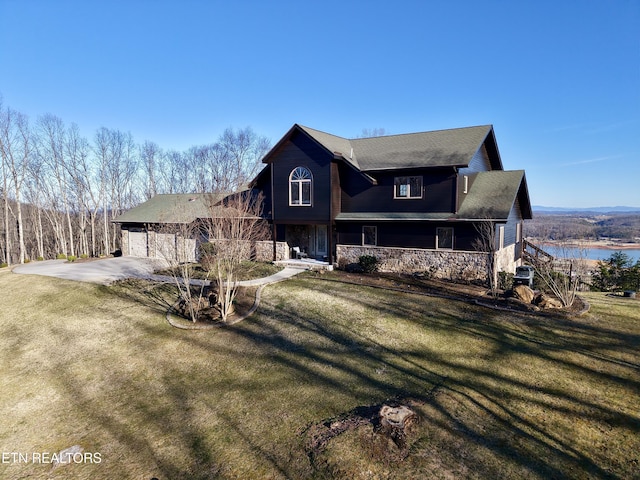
(300, 186)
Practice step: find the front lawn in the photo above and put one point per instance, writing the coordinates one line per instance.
(500, 395)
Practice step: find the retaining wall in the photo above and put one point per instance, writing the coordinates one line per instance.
(444, 264)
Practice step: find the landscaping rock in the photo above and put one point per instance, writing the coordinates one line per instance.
(545, 301)
(523, 293)
(67, 456)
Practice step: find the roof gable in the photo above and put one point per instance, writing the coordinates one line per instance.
(493, 194)
(442, 148)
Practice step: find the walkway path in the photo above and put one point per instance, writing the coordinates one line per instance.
(108, 270)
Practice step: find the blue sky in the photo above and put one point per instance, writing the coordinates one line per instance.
(559, 80)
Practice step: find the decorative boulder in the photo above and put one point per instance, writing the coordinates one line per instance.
(523, 293)
(546, 301)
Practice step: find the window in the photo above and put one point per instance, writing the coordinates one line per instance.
(369, 236)
(407, 187)
(500, 237)
(444, 238)
(300, 183)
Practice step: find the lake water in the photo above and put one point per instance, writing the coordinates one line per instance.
(591, 253)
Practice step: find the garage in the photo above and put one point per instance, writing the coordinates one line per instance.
(163, 227)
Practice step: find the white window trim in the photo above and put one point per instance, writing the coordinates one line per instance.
(408, 197)
(300, 182)
(500, 231)
(375, 235)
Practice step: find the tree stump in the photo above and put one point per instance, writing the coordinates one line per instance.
(395, 423)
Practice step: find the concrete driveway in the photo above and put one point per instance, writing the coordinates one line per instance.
(104, 271)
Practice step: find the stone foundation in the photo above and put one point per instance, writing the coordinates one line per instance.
(460, 266)
(264, 251)
(505, 259)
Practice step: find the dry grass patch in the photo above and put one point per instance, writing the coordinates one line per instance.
(499, 396)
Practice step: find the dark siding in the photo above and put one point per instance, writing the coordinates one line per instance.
(302, 151)
(408, 234)
(359, 195)
(336, 190)
(263, 184)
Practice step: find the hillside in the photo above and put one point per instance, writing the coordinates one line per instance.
(587, 225)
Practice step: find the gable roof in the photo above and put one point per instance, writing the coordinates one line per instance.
(493, 194)
(178, 208)
(442, 148)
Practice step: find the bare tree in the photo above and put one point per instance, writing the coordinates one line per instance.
(245, 149)
(563, 274)
(50, 148)
(4, 170)
(15, 149)
(117, 163)
(150, 155)
(485, 242)
(176, 245)
(235, 224)
(77, 152)
(372, 132)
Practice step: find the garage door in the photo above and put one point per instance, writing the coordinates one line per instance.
(138, 244)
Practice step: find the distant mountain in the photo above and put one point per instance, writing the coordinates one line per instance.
(561, 210)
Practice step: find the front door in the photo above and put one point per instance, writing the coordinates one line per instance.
(321, 240)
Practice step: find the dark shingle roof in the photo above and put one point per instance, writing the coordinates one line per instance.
(441, 148)
(493, 194)
(169, 208)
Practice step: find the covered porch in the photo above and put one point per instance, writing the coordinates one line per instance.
(310, 242)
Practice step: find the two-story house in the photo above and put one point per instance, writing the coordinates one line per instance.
(418, 202)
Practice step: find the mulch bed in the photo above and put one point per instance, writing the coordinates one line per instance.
(456, 291)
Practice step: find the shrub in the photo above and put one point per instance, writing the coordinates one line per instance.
(61, 256)
(4, 265)
(368, 263)
(84, 255)
(27, 260)
(40, 259)
(71, 258)
(505, 280)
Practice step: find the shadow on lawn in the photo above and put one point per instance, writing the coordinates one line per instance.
(480, 410)
(493, 413)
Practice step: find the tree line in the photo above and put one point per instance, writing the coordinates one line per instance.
(60, 191)
(625, 227)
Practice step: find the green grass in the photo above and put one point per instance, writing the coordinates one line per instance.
(499, 395)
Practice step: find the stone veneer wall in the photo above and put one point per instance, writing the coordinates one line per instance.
(445, 264)
(264, 251)
(506, 259)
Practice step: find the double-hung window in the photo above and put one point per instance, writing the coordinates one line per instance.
(444, 238)
(369, 235)
(407, 187)
(300, 187)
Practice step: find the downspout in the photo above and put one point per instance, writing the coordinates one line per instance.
(457, 192)
(330, 225)
(273, 217)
